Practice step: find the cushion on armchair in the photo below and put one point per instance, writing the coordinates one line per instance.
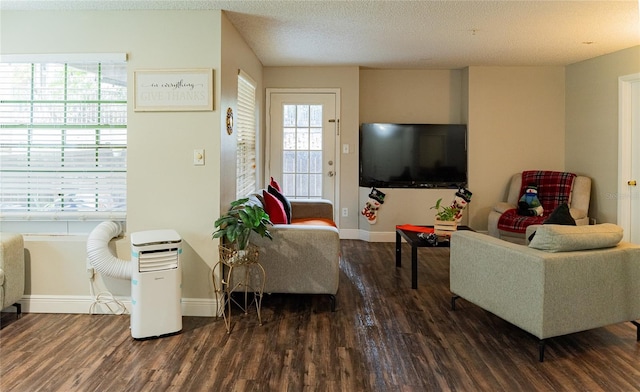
(554, 189)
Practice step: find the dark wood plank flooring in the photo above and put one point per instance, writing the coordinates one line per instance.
(384, 336)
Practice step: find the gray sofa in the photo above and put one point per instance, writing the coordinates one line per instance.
(569, 278)
(302, 258)
(11, 270)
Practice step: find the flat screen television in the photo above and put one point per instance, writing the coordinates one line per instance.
(413, 155)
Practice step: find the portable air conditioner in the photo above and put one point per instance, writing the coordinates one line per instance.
(156, 282)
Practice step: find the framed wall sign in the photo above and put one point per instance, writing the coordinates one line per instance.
(173, 90)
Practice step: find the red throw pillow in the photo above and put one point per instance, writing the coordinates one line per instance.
(274, 208)
(285, 202)
(275, 184)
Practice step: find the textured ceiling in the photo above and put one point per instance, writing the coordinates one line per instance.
(408, 34)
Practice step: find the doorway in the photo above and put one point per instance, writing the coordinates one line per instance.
(302, 134)
(629, 157)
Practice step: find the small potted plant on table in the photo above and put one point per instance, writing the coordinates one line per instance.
(236, 226)
(445, 219)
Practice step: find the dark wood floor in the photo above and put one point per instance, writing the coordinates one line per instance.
(383, 337)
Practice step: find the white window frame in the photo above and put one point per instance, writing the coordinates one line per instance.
(63, 222)
(246, 136)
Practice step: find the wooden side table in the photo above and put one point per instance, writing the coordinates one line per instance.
(250, 281)
(416, 242)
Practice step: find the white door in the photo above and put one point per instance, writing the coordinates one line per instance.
(303, 129)
(629, 139)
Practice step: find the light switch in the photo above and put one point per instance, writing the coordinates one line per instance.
(345, 148)
(198, 157)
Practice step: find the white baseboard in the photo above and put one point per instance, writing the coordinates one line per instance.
(366, 235)
(200, 307)
(349, 234)
(384, 236)
(377, 236)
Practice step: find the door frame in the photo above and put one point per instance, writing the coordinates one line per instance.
(625, 150)
(267, 155)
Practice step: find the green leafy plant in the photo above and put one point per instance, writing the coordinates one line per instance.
(237, 224)
(445, 213)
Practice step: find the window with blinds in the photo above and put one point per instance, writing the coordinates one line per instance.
(63, 141)
(246, 136)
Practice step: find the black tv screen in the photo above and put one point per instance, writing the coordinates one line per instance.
(413, 155)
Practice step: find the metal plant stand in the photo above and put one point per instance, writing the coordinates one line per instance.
(241, 272)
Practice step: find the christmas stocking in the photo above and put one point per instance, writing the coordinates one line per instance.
(370, 211)
(460, 201)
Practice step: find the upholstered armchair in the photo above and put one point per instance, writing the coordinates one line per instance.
(554, 189)
(11, 270)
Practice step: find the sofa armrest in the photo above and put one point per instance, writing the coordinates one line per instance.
(301, 259)
(311, 208)
(504, 278)
(502, 207)
(12, 266)
(581, 195)
(515, 184)
(577, 213)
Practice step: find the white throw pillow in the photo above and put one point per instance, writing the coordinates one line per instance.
(561, 238)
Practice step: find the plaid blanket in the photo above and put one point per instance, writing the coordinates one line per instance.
(554, 189)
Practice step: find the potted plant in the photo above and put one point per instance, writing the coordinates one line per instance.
(236, 225)
(445, 220)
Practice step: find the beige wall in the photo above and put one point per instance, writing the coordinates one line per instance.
(165, 190)
(516, 122)
(592, 125)
(407, 96)
(236, 55)
(515, 119)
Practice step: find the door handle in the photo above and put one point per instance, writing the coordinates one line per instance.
(330, 174)
(631, 183)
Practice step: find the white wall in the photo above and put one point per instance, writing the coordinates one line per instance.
(592, 125)
(165, 190)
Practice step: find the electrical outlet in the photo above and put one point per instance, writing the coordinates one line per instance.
(345, 148)
(345, 211)
(198, 157)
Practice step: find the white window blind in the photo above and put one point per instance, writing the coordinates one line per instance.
(63, 141)
(246, 136)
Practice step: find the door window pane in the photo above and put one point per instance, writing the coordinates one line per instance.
(303, 115)
(302, 158)
(302, 139)
(302, 162)
(315, 115)
(315, 162)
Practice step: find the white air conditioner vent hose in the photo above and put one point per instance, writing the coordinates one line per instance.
(100, 255)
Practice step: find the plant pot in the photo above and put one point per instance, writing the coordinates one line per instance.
(444, 227)
(234, 256)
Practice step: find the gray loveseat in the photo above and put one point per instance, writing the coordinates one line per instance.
(11, 270)
(578, 278)
(302, 258)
